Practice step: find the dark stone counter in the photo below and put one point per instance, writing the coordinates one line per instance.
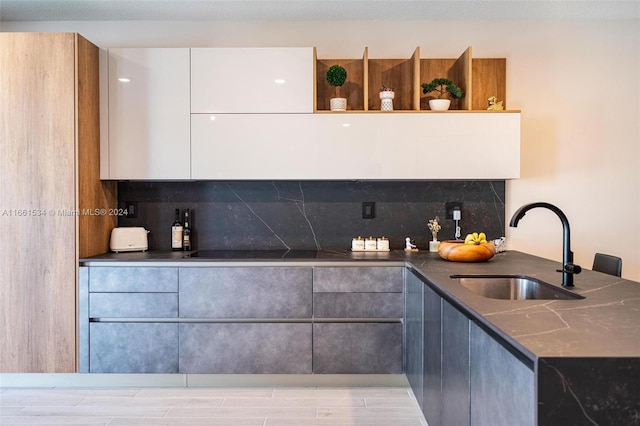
(246, 256)
(604, 324)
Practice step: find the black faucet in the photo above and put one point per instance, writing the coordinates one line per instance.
(568, 268)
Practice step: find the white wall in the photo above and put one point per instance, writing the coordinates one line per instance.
(575, 82)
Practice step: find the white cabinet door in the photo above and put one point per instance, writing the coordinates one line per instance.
(149, 114)
(355, 146)
(252, 80)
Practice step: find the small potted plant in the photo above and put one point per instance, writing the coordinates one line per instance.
(386, 98)
(336, 76)
(442, 86)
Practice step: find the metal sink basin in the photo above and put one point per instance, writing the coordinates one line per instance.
(513, 287)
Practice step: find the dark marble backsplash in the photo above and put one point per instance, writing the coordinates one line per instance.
(254, 215)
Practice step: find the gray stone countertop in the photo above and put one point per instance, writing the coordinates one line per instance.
(248, 256)
(604, 324)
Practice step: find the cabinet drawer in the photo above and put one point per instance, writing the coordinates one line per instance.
(133, 348)
(256, 292)
(133, 279)
(357, 305)
(357, 279)
(248, 348)
(133, 305)
(360, 348)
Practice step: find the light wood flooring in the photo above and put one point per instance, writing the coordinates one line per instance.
(288, 406)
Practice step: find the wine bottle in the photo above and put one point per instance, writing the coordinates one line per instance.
(177, 232)
(186, 233)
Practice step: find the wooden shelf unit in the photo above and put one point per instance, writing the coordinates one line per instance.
(354, 89)
(479, 78)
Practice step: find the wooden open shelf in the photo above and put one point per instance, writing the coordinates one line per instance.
(354, 88)
(479, 78)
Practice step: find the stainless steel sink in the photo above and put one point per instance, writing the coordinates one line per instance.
(513, 287)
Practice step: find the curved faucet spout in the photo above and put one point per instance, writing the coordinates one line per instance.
(568, 268)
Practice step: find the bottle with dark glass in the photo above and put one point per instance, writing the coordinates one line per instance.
(186, 233)
(177, 232)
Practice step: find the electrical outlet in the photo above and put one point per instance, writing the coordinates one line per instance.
(451, 206)
(132, 209)
(368, 210)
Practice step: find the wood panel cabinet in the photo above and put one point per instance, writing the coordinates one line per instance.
(49, 159)
(148, 114)
(252, 80)
(354, 146)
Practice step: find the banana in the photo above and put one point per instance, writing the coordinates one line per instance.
(475, 238)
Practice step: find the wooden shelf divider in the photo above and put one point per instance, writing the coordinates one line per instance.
(478, 78)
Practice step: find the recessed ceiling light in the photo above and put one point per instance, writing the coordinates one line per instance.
(280, 81)
(124, 80)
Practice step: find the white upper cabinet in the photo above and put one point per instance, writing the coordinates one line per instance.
(148, 114)
(252, 80)
(356, 146)
(248, 113)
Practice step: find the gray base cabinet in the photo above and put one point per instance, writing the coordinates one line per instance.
(113, 332)
(133, 348)
(253, 292)
(455, 367)
(357, 313)
(241, 320)
(432, 405)
(357, 348)
(502, 386)
(253, 348)
(414, 335)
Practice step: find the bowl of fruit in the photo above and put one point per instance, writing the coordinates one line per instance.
(474, 248)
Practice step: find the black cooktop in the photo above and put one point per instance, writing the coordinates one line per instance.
(252, 254)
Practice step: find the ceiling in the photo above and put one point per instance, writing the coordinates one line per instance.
(313, 10)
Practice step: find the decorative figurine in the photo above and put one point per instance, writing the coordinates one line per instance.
(434, 227)
(409, 245)
(494, 104)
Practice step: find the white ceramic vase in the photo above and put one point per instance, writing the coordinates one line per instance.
(386, 100)
(338, 104)
(439, 104)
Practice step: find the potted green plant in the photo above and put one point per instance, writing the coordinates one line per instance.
(442, 86)
(336, 76)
